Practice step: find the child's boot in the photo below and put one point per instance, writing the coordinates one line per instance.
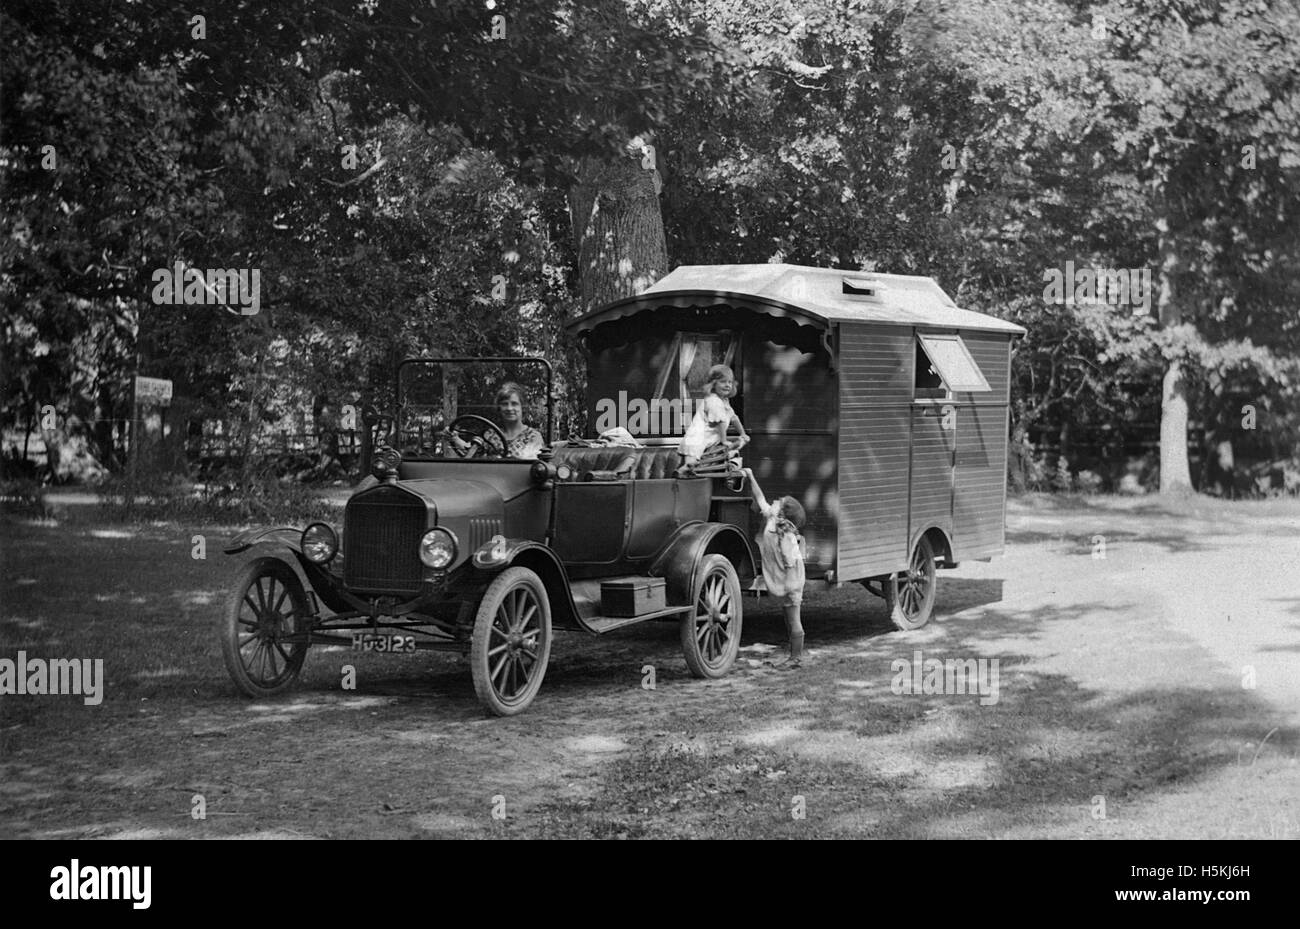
(796, 653)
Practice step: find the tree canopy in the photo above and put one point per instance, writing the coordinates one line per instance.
(415, 176)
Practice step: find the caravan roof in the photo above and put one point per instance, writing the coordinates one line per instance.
(815, 296)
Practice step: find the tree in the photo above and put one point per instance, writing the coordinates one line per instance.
(1154, 108)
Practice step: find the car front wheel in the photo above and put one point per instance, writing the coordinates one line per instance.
(267, 606)
(511, 644)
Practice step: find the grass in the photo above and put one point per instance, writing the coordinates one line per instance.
(1099, 699)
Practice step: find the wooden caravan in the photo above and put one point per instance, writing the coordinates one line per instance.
(872, 398)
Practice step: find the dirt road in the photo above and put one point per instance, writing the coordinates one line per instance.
(1152, 692)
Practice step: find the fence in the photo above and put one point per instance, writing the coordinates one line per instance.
(226, 450)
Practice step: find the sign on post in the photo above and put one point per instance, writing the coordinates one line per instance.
(153, 390)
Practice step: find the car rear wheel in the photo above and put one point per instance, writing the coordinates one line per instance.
(511, 644)
(268, 605)
(711, 631)
(910, 594)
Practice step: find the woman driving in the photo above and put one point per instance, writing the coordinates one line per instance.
(522, 440)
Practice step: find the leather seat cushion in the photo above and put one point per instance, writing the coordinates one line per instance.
(650, 463)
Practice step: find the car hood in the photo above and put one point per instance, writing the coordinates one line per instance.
(452, 498)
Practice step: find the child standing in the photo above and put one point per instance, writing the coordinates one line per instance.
(782, 548)
(713, 416)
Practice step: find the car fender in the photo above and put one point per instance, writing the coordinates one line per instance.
(499, 553)
(319, 580)
(679, 562)
(280, 535)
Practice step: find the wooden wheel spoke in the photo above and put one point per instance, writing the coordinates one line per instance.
(271, 666)
(520, 609)
(252, 606)
(498, 650)
(280, 600)
(512, 686)
(716, 593)
(496, 671)
(258, 663)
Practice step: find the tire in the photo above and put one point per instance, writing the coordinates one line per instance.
(710, 633)
(910, 595)
(268, 603)
(511, 644)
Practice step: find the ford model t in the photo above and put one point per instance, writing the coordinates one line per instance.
(451, 544)
(871, 398)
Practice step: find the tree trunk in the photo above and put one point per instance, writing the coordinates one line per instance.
(618, 229)
(1175, 469)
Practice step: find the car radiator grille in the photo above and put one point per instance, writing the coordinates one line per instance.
(381, 537)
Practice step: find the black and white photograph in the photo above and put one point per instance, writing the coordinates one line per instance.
(651, 420)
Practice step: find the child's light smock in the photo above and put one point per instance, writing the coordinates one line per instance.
(780, 546)
(712, 417)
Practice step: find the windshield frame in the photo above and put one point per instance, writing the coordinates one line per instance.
(549, 433)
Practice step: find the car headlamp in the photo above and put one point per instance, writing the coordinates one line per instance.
(319, 543)
(438, 548)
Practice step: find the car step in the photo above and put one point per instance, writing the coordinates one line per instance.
(603, 624)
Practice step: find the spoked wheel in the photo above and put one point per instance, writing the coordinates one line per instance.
(512, 642)
(711, 631)
(910, 595)
(267, 605)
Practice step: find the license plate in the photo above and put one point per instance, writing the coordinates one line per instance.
(390, 644)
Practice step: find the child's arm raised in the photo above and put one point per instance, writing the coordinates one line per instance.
(759, 500)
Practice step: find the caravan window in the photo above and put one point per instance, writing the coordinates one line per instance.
(944, 365)
(686, 371)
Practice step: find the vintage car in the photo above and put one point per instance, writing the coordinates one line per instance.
(454, 546)
(872, 398)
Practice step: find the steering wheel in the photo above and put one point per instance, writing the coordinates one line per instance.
(460, 428)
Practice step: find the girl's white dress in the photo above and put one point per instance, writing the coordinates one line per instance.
(709, 425)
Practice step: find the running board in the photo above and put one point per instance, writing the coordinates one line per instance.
(603, 624)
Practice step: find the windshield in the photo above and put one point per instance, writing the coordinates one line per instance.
(437, 394)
